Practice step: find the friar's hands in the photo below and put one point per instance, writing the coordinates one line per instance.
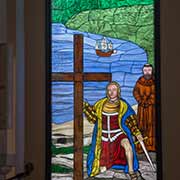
(139, 137)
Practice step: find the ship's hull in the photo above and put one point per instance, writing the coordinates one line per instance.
(104, 54)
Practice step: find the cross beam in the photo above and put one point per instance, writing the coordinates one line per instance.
(78, 77)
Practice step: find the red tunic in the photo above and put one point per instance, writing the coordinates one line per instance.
(112, 151)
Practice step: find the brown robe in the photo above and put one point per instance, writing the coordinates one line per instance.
(144, 93)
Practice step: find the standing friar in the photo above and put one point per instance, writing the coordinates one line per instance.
(144, 93)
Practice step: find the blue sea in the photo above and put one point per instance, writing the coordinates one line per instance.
(125, 66)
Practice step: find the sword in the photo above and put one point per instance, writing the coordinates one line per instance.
(147, 155)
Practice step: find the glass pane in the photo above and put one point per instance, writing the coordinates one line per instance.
(62, 49)
(62, 130)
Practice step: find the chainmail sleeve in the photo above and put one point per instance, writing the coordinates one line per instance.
(89, 112)
(131, 122)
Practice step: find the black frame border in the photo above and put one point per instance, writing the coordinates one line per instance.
(157, 60)
(157, 57)
(48, 129)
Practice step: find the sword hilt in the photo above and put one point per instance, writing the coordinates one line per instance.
(136, 142)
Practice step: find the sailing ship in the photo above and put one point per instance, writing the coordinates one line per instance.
(104, 47)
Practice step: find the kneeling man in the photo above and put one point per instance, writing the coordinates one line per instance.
(112, 143)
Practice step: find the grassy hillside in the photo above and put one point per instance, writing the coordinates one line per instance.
(64, 150)
(133, 23)
(63, 10)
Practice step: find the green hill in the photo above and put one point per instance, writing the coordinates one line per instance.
(133, 23)
(63, 10)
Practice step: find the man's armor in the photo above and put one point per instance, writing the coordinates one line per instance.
(90, 114)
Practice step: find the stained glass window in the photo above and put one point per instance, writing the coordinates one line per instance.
(104, 89)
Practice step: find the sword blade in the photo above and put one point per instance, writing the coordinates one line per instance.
(147, 155)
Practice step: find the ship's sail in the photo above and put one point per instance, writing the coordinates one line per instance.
(104, 45)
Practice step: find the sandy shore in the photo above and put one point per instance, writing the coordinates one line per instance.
(67, 128)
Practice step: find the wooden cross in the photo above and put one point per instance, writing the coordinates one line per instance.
(78, 77)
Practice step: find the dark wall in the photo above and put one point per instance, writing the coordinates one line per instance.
(170, 63)
(34, 20)
(35, 87)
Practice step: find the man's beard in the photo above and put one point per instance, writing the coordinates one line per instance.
(147, 76)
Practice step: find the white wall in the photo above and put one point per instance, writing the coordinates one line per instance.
(12, 33)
